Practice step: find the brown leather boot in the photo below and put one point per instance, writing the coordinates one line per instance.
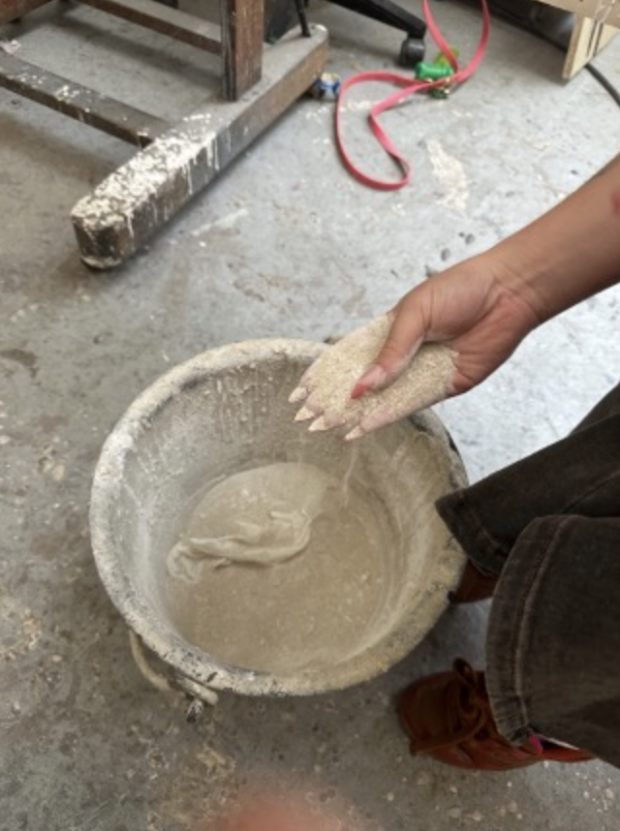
(448, 716)
(474, 585)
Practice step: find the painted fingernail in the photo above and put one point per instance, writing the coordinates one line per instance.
(370, 380)
(318, 426)
(356, 433)
(304, 414)
(298, 394)
(359, 390)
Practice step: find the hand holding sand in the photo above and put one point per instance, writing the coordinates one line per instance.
(444, 337)
(328, 392)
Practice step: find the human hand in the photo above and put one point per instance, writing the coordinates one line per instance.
(444, 337)
(328, 387)
(475, 308)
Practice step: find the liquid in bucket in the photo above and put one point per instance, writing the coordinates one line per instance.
(281, 568)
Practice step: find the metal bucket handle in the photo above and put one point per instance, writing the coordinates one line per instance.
(199, 693)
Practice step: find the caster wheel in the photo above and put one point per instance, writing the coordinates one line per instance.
(327, 85)
(411, 52)
(316, 91)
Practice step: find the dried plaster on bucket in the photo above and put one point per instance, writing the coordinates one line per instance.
(226, 413)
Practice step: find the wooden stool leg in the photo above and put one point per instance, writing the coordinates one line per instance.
(14, 9)
(242, 44)
(124, 211)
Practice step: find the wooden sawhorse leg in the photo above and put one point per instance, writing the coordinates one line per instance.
(243, 24)
(126, 209)
(11, 10)
(259, 82)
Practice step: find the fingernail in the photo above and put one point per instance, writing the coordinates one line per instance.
(372, 379)
(304, 414)
(356, 433)
(298, 394)
(318, 425)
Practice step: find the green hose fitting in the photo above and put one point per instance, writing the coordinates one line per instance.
(432, 71)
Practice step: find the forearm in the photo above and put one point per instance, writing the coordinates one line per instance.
(571, 252)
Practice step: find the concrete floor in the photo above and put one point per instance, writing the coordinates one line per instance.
(284, 244)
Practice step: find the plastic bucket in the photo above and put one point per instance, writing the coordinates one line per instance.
(227, 411)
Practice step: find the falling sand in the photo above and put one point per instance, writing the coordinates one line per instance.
(281, 568)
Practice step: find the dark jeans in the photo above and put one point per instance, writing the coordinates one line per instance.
(550, 526)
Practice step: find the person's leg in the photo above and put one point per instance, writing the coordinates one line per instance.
(549, 529)
(577, 475)
(552, 671)
(554, 636)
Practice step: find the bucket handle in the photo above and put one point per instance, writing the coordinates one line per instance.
(199, 693)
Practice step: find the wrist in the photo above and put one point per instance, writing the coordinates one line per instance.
(523, 272)
(512, 289)
(568, 254)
